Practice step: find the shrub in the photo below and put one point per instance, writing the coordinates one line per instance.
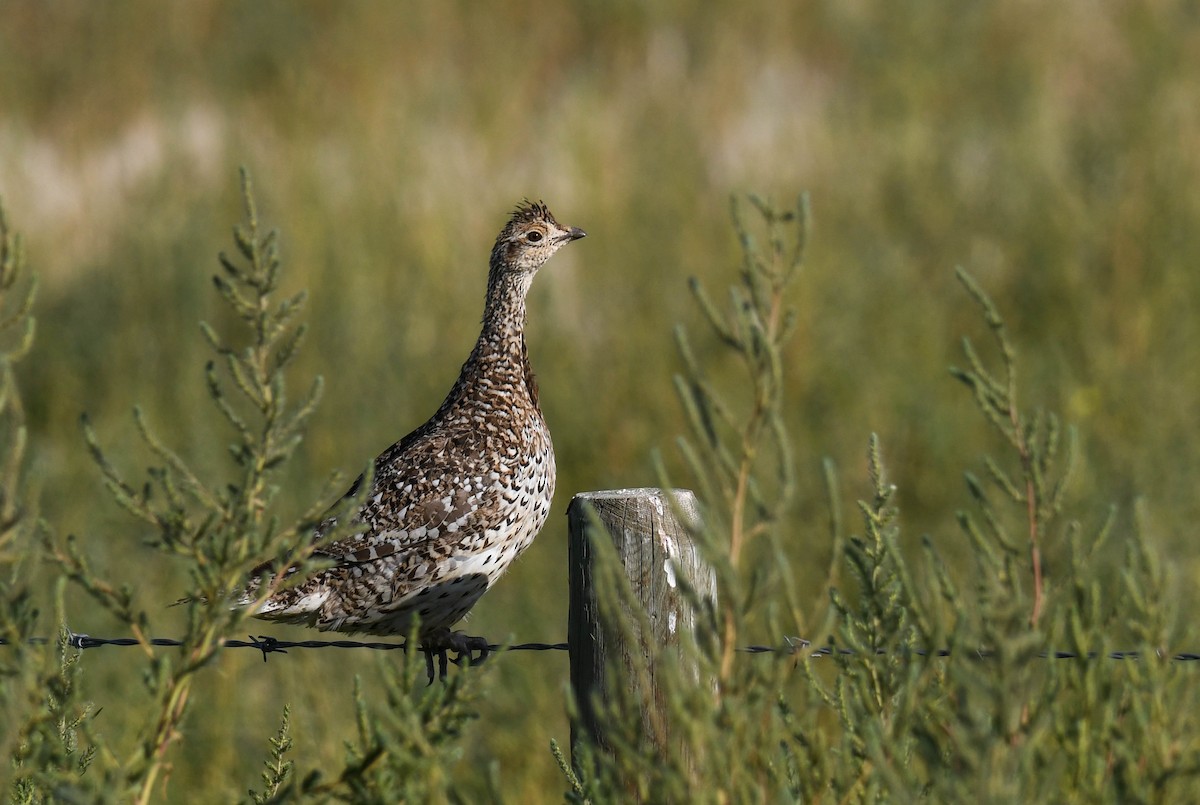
(1042, 674)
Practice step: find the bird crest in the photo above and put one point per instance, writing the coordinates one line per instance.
(527, 212)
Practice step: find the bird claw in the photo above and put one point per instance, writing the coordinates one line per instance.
(430, 653)
(470, 651)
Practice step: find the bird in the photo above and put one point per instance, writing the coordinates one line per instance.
(456, 501)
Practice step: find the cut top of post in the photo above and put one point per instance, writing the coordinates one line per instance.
(651, 530)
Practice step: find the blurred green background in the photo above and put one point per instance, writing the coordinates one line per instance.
(1051, 149)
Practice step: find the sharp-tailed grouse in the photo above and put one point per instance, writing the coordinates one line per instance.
(453, 503)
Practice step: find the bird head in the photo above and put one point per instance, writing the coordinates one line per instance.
(530, 237)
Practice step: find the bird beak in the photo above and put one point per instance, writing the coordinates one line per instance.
(575, 233)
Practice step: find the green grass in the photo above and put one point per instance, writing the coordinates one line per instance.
(1053, 152)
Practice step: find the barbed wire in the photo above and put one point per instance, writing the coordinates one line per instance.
(798, 645)
(792, 645)
(270, 645)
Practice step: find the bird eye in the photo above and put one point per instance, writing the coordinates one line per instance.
(533, 237)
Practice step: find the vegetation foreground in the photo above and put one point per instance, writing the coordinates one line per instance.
(990, 715)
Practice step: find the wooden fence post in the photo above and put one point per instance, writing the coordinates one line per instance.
(653, 547)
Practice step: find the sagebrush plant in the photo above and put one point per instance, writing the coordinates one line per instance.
(17, 608)
(939, 688)
(405, 749)
(221, 529)
(739, 452)
(46, 742)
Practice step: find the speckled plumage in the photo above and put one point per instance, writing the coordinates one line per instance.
(453, 503)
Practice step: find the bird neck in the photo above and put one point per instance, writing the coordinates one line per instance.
(503, 332)
(499, 364)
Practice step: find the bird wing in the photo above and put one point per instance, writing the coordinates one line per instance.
(430, 490)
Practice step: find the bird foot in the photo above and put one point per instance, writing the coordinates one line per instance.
(467, 651)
